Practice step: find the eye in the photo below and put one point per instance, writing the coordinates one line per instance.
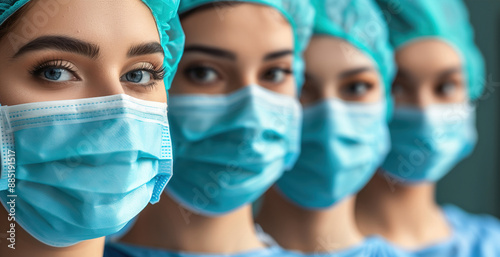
(446, 89)
(276, 75)
(146, 75)
(202, 75)
(137, 76)
(358, 88)
(57, 75)
(55, 71)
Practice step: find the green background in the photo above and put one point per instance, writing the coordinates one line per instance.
(474, 184)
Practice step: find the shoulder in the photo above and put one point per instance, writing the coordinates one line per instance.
(473, 233)
(460, 220)
(371, 246)
(379, 247)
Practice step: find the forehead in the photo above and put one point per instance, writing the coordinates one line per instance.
(243, 27)
(96, 21)
(427, 56)
(336, 53)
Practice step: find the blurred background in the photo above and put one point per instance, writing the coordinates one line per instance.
(474, 185)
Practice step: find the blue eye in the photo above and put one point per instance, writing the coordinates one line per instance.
(57, 75)
(138, 77)
(446, 89)
(55, 71)
(358, 88)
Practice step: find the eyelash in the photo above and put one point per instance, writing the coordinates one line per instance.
(158, 73)
(37, 70)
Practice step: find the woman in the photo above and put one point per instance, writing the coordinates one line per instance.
(440, 74)
(349, 67)
(235, 127)
(83, 111)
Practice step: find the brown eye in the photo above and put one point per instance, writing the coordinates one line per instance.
(202, 75)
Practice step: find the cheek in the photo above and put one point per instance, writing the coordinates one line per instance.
(15, 87)
(461, 94)
(375, 95)
(289, 88)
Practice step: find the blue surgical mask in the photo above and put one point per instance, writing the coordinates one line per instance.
(83, 168)
(229, 149)
(343, 143)
(427, 144)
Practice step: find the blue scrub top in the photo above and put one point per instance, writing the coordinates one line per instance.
(371, 247)
(473, 236)
(125, 250)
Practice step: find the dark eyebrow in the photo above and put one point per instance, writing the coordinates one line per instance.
(215, 52)
(61, 43)
(355, 71)
(145, 49)
(448, 72)
(278, 54)
(406, 75)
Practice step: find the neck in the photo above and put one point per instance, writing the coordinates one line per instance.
(406, 215)
(167, 225)
(26, 245)
(308, 231)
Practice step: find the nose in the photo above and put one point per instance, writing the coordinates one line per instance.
(246, 77)
(105, 85)
(328, 90)
(423, 96)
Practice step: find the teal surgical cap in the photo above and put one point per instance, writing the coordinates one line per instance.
(359, 22)
(164, 12)
(447, 20)
(299, 14)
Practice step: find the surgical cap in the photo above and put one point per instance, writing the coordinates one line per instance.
(359, 22)
(167, 20)
(447, 20)
(299, 14)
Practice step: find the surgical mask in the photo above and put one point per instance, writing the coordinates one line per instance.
(343, 143)
(229, 149)
(427, 144)
(83, 168)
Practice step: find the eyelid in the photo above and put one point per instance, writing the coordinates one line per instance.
(191, 67)
(157, 72)
(54, 63)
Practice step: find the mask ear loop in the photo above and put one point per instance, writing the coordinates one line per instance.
(6, 126)
(7, 147)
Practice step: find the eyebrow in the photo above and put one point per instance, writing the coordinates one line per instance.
(220, 53)
(355, 71)
(278, 54)
(145, 49)
(441, 75)
(62, 43)
(215, 52)
(448, 72)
